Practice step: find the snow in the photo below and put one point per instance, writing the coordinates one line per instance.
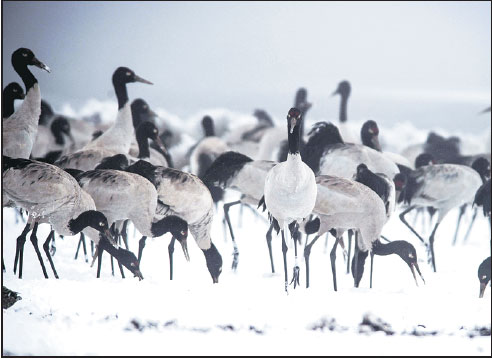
(248, 312)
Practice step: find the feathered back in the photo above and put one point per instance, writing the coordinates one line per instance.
(321, 137)
(224, 168)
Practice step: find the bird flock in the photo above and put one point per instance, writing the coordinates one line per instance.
(85, 178)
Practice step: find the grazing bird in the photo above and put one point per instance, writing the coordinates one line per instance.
(121, 195)
(13, 91)
(237, 171)
(290, 189)
(484, 275)
(441, 186)
(343, 204)
(118, 138)
(19, 129)
(184, 195)
(51, 195)
(327, 153)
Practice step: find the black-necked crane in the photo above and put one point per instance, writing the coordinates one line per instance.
(20, 128)
(290, 189)
(186, 196)
(13, 91)
(51, 195)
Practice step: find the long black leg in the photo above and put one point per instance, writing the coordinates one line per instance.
(431, 244)
(170, 250)
(284, 252)
(46, 249)
(124, 233)
(307, 253)
(20, 244)
(112, 265)
(84, 247)
(99, 260)
(462, 210)
(333, 256)
(53, 246)
(121, 269)
(372, 262)
(92, 248)
(269, 244)
(141, 246)
(295, 277)
(350, 234)
(3, 265)
(78, 247)
(34, 241)
(475, 211)
(228, 220)
(355, 270)
(402, 218)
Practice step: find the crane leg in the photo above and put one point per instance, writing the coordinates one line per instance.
(228, 220)
(124, 233)
(333, 256)
(372, 263)
(307, 253)
(462, 210)
(269, 244)
(170, 250)
(475, 211)
(402, 218)
(141, 246)
(46, 249)
(34, 241)
(99, 252)
(350, 234)
(20, 245)
(431, 245)
(295, 276)
(284, 252)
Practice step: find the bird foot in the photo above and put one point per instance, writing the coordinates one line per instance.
(53, 250)
(295, 277)
(235, 259)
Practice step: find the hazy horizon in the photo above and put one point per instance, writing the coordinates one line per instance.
(428, 63)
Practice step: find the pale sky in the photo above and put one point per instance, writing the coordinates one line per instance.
(403, 59)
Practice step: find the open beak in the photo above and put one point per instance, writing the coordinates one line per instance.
(414, 266)
(184, 245)
(482, 289)
(139, 79)
(39, 64)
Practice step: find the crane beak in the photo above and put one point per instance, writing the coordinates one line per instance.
(215, 279)
(336, 92)
(151, 113)
(137, 273)
(482, 289)
(184, 246)
(139, 79)
(293, 123)
(159, 143)
(39, 64)
(375, 142)
(414, 266)
(108, 235)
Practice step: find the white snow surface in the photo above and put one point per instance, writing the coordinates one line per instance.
(248, 312)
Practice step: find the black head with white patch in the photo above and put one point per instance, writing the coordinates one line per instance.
(424, 159)
(208, 126)
(124, 257)
(141, 112)
(13, 91)
(214, 262)
(294, 121)
(484, 275)
(59, 127)
(369, 134)
(178, 228)
(22, 57)
(94, 219)
(147, 130)
(482, 166)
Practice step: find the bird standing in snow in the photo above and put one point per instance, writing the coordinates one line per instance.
(290, 189)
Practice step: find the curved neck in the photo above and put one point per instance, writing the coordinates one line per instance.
(76, 225)
(121, 94)
(209, 131)
(26, 76)
(294, 138)
(343, 108)
(385, 249)
(143, 146)
(58, 137)
(8, 105)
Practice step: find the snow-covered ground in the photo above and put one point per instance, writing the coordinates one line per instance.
(248, 312)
